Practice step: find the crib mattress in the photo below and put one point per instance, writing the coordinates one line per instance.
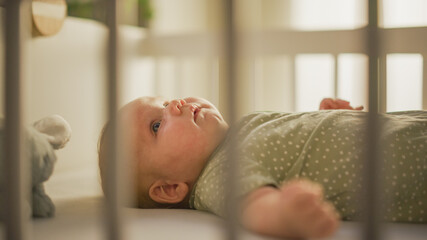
(82, 218)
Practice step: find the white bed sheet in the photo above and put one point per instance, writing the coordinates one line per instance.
(81, 218)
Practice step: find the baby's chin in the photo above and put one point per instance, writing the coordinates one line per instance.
(223, 131)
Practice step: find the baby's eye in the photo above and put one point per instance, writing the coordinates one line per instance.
(165, 104)
(155, 127)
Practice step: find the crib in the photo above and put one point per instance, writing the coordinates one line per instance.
(246, 67)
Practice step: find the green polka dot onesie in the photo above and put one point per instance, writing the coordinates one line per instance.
(326, 147)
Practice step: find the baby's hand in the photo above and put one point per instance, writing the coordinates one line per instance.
(330, 103)
(305, 212)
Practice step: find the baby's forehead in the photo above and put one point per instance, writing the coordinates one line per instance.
(141, 104)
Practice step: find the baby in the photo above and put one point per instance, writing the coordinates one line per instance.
(296, 171)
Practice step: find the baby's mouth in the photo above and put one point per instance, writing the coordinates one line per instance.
(196, 112)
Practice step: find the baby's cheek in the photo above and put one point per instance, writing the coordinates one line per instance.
(182, 138)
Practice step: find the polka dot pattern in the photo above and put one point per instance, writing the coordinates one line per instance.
(325, 147)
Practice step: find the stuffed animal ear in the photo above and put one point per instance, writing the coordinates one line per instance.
(56, 128)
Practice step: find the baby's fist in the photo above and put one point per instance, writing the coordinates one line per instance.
(311, 215)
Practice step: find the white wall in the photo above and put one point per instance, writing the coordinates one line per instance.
(178, 17)
(67, 75)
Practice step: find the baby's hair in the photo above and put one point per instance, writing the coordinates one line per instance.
(143, 200)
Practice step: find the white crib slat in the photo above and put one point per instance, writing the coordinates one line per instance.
(336, 75)
(425, 81)
(179, 76)
(15, 169)
(213, 73)
(382, 84)
(230, 58)
(372, 162)
(156, 77)
(257, 88)
(293, 82)
(113, 220)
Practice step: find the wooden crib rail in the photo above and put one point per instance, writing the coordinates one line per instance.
(409, 40)
(15, 168)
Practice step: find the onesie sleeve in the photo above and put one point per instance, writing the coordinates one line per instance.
(209, 193)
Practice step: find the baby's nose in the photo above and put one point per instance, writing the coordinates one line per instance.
(182, 101)
(174, 107)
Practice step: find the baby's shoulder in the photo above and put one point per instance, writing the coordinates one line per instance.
(261, 117)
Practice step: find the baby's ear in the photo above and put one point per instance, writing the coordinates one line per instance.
(163, 191)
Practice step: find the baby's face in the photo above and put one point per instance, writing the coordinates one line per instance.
(174, 138)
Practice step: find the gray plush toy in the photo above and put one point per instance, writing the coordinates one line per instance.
(42, 139)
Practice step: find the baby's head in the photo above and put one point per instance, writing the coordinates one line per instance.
(169, 144)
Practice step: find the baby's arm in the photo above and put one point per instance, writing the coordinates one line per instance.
(295, 210)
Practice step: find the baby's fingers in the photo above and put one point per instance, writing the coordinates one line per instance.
(317, 219)
(326, 220)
